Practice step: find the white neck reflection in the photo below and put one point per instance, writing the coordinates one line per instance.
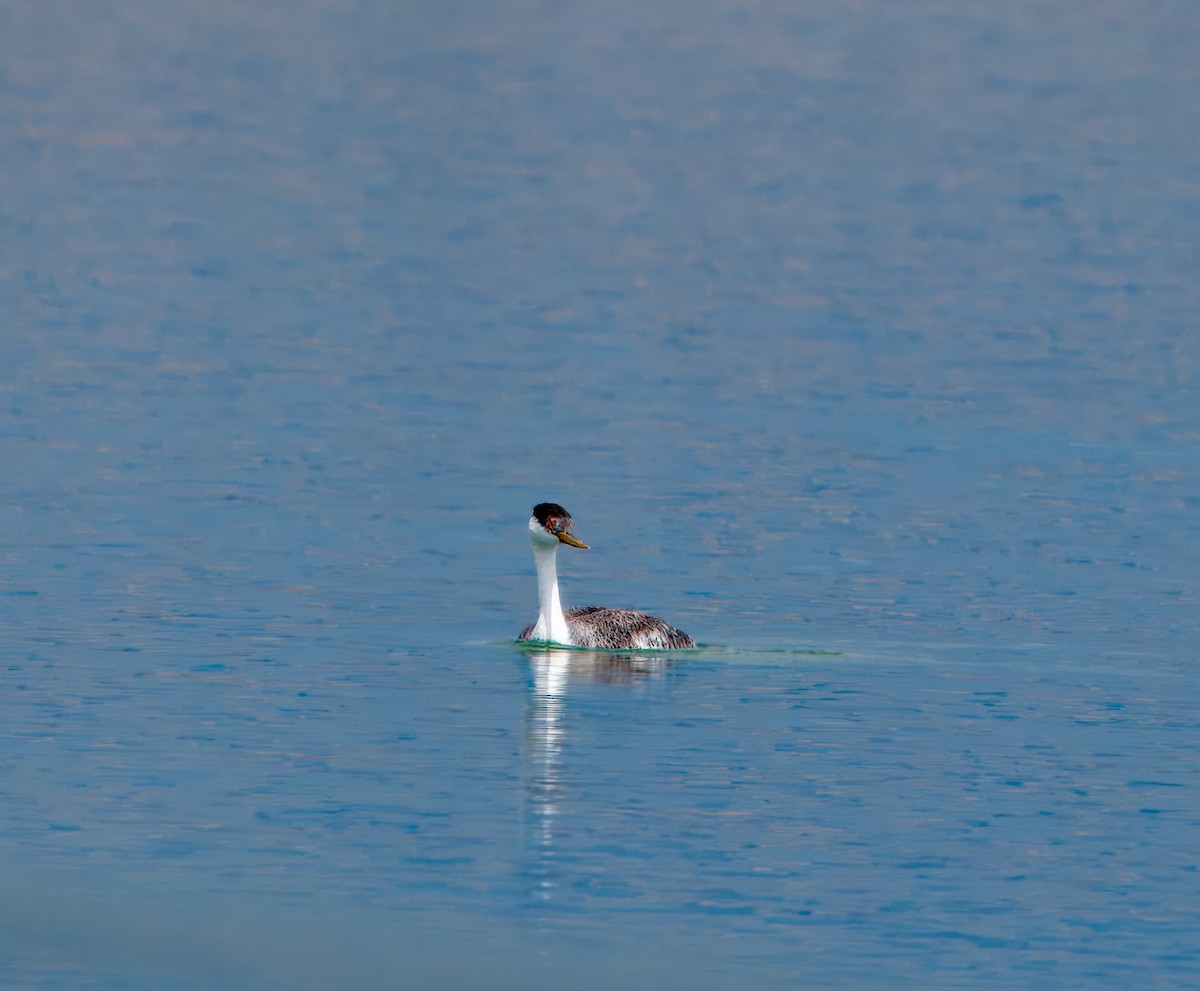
(554, 671)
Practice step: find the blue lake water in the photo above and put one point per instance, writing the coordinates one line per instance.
(859, 339)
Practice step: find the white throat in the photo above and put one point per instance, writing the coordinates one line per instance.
(551, 623)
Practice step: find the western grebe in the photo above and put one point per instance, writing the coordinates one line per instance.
(597, 627)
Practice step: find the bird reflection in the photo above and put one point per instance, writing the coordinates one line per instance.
(554, 671)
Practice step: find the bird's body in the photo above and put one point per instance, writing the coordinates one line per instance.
(597, 627)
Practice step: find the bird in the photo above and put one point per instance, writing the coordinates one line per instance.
(596, 627)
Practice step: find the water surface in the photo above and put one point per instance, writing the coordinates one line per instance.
(859, 340)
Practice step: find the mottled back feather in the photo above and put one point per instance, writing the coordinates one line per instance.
(604, 628)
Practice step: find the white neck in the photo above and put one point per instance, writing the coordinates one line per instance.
(551, 623)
